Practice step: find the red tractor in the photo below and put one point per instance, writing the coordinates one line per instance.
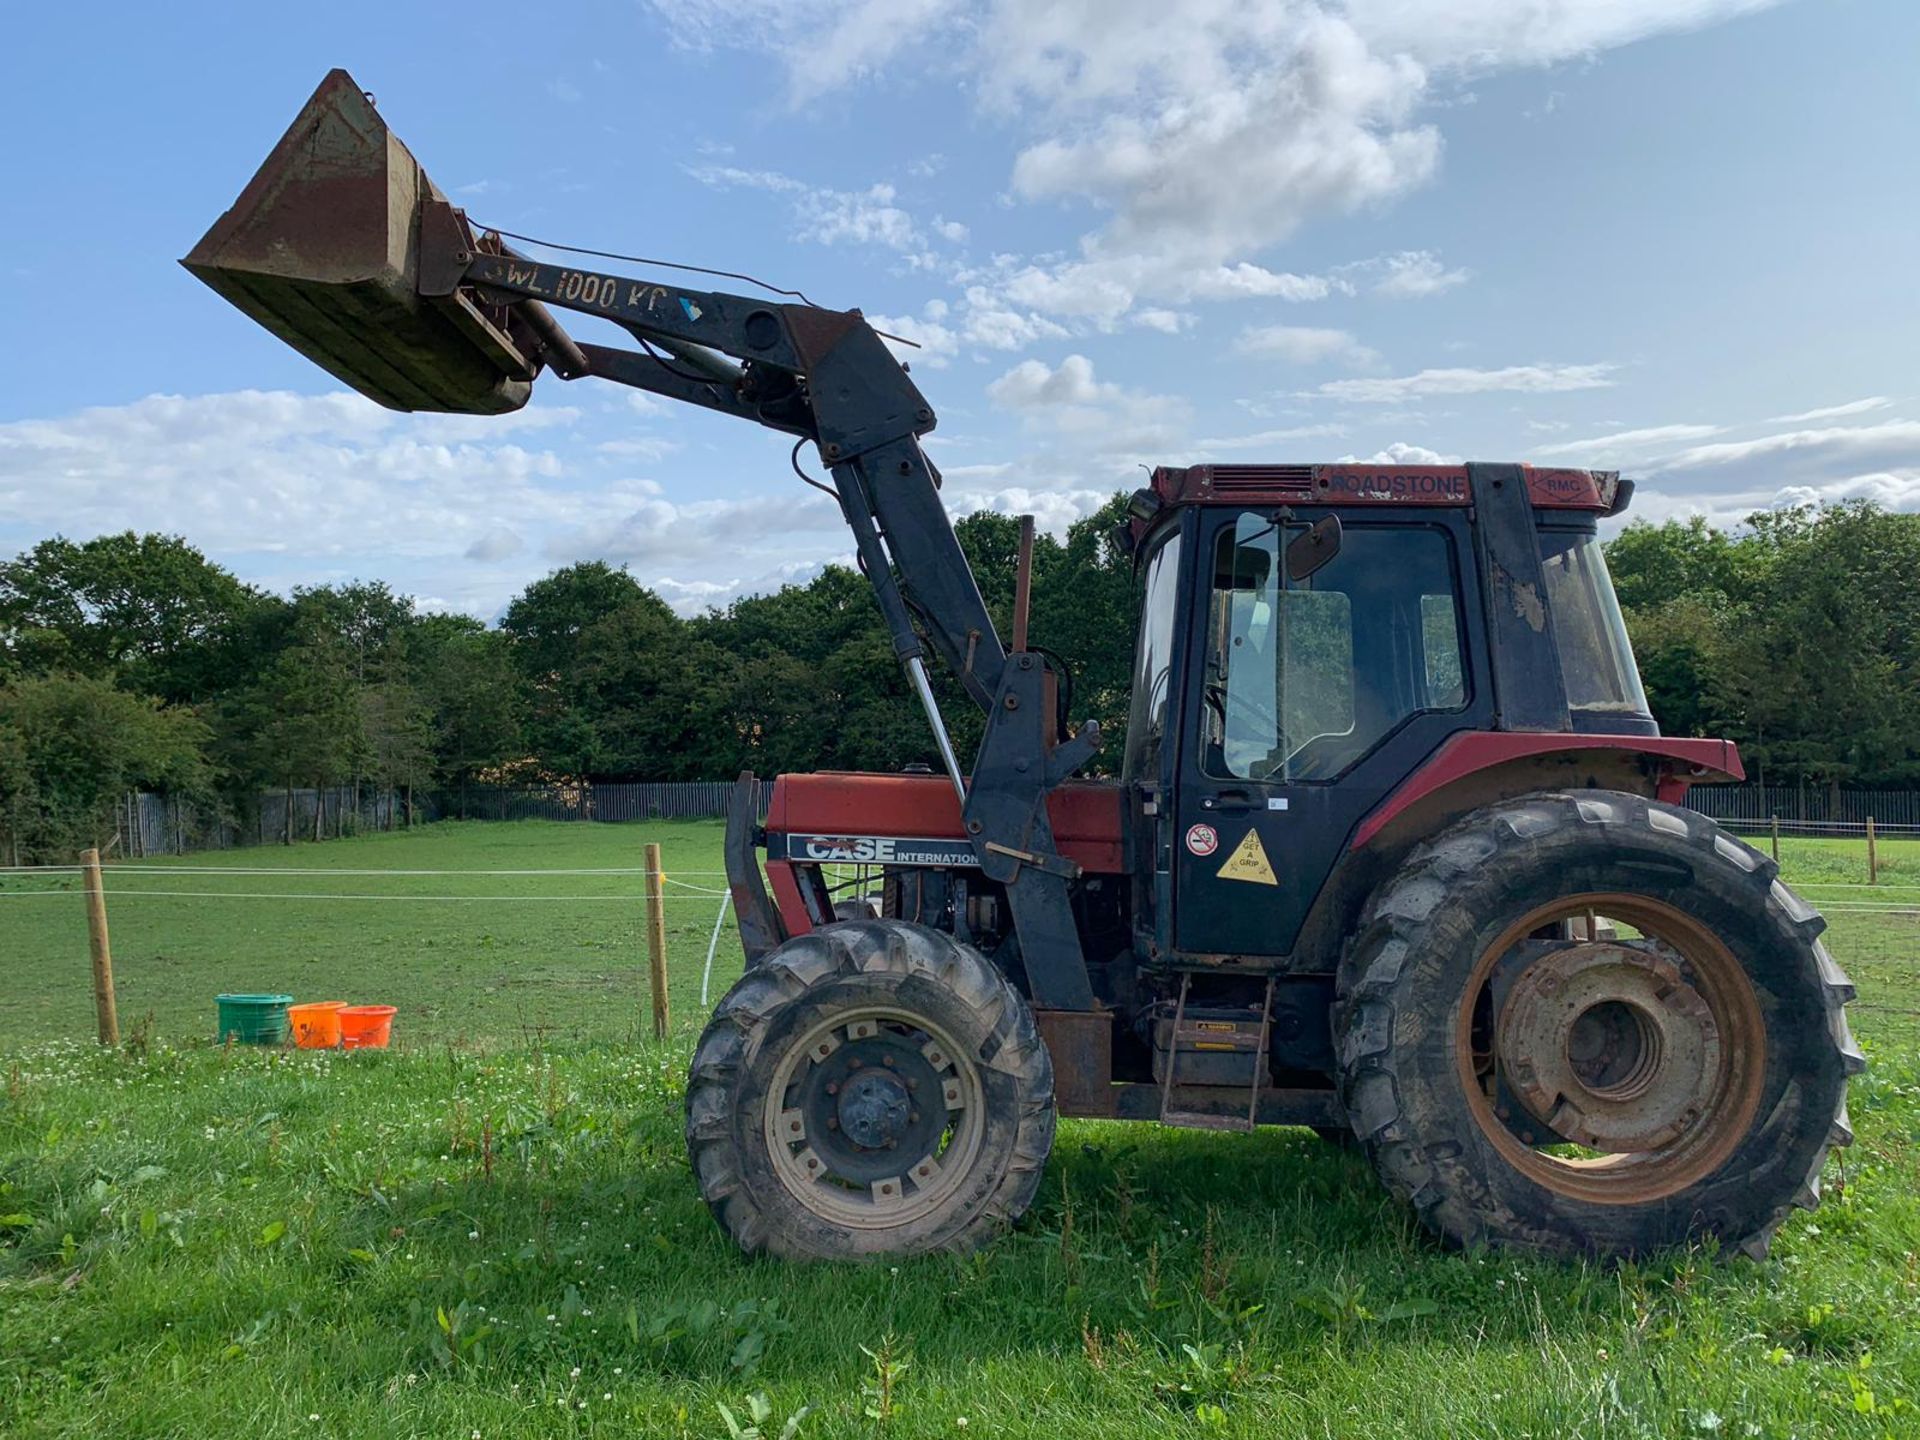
(1395, 850)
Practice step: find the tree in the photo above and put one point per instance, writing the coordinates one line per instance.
(149, 612)
(72, 745)
(1822, 666)
(298, 724)
(397, 723)
(1653, 565)
(371, 623)
(545, 623)
(475, 691)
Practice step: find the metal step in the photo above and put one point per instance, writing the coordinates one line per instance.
(1196, 1037)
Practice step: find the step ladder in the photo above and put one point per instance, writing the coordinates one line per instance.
(1194, 1038)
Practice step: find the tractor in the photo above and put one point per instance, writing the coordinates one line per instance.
(1395, 850)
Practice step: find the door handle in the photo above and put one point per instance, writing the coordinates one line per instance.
(1227, 800)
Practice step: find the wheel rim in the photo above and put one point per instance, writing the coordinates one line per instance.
(874, 1118)
(1649, 1050)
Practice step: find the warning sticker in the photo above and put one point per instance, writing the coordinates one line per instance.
(1203, 839)
(1249, 862)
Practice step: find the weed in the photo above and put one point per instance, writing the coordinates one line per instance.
(880, 1395)
(759, 1413)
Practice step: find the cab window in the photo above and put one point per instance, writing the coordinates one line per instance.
(1153, 664)
(1303, 679)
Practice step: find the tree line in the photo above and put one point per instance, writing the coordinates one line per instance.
(133, 662)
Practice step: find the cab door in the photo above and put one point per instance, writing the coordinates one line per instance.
(1309, 701)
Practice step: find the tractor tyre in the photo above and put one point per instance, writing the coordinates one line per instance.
(870, 1088)
(1680, 1079)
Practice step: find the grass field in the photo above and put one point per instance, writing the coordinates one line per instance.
(491, 1230)
(492, 958)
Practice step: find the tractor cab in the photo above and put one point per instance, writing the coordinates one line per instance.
(1311, 636)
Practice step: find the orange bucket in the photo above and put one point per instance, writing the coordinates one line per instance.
(316, 1025)
(366, 1027)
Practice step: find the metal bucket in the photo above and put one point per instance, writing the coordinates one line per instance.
(325, 246)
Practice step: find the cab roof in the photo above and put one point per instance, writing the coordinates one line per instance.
(1599, 491)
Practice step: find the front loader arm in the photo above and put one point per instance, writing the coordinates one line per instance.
(823, 375)
(344, 248)
(826, 376)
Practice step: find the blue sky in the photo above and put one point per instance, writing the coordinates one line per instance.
(1676, 237)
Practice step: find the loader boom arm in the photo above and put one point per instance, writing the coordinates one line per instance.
(344, 248)
(825, 376)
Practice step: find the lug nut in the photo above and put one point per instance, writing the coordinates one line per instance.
(833, 1122)
(887, 1060)
(913, 1084)
(833, 1087)
(854, 1064)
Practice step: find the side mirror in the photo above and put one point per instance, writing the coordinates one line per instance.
(1308, 551)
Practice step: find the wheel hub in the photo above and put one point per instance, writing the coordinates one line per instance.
(873, 1108)
(878, 1116)
(1609, 1046)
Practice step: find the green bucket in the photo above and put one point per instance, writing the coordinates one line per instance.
(254, 1019)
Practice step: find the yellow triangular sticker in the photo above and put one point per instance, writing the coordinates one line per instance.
(1249, 862)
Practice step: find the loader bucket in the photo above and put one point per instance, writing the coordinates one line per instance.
(325, 245)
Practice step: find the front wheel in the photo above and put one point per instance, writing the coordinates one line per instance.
(1593, 1024)
(871, 1088)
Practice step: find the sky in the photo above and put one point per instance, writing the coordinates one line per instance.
(1673, 237)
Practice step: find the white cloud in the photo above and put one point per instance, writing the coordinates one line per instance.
(1305, 345)
(990, 322)
(1478, 36)
(1032, 384)
(1525, 379)
(937, 342)
(1088, 427)
(1623, 441)
(658, 531)
(1053, 510)
(1414, 275)
(1833, 412)
(1268, 439)
(638, 447)
(497, 544)
(1206, 133)
(1821, 452)
(1212, 136)
(1730, 479)
(827, 216)
(1167, 322)
(1243, 280)
(263, 471)
(1401, 453)
(290, 489)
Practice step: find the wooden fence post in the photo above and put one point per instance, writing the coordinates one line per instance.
(657, 940)
(103, 1007)
(1776, 837)
(1873, 856)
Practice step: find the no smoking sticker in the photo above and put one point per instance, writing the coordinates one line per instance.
(1203, 839)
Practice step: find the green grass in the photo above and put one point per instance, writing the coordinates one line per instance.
(199, 1241)
(532, 964)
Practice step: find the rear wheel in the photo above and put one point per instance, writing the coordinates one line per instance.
(873, 1087)
(1679, 1075)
